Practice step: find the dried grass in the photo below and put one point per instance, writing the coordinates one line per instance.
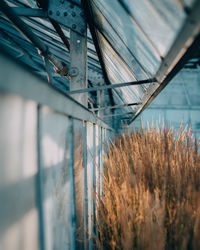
(151, 192)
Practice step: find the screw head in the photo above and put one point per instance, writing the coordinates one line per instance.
(65, 13)
(58, 13)
(73, 26)
(73, 14)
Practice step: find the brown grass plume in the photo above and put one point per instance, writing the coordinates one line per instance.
(151, 192)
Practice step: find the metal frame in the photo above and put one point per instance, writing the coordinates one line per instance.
(49, 95)
(183, 48)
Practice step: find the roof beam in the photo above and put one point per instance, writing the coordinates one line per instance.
(113, 86)
(30, 12)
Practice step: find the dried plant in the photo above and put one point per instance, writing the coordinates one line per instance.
(151, 192)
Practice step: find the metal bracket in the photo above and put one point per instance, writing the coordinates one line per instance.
(68, 14)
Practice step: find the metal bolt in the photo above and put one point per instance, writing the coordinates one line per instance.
(82, 31)
(65, 13)
(73, 26)
(50, 12)
(73, 71)
(73, 14)
(58, 13)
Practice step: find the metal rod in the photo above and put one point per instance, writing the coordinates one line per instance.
(60, 33)
(113, 86)
(116, 106)
(128, 113)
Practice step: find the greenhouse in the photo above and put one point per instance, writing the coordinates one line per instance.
(75, 76)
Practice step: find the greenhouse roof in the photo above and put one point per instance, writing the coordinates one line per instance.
(134, 48)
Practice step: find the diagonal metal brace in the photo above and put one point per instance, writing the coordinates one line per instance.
(118, 85)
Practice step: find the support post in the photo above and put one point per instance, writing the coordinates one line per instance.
(78, 65)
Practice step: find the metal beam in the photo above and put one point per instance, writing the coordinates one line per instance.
(116, 106)
(113, 86)
(78, 64)
(175, 107)
(38, 90)
(30, 12)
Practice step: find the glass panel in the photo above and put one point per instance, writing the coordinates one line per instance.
(57, 180)
(119, 45)
(117, 70)
(130, 33)
(172, 110)
(19, 220)
(160, 20)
